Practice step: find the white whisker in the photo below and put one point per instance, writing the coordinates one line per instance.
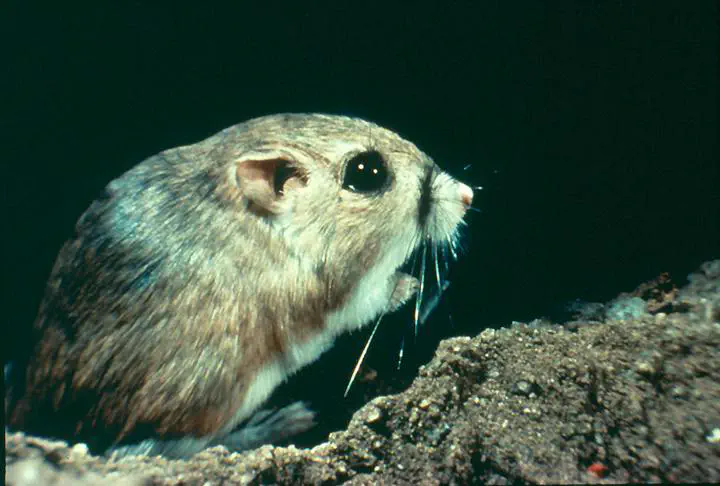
(419, 296)
(453, 250)
(437, 265)
(362, 356)
(415, 260)
(401, 353)
(431, 304)
(446, 263)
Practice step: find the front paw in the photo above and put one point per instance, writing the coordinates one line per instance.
(405, 287)
(269, 427)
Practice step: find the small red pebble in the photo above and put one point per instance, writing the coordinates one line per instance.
(597, 469)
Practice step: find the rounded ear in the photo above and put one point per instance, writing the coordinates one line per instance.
(265, 177)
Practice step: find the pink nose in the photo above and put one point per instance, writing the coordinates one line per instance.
(466, 194)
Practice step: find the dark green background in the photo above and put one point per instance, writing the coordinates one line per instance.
(591, 125)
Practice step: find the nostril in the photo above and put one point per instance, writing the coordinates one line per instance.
(466, 194)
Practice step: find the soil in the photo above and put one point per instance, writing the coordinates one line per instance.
(593, 400)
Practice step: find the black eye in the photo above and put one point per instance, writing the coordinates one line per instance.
(366, 172)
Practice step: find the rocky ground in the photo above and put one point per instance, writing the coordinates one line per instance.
(629, 392)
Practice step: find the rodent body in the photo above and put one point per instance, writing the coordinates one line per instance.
(209, 273)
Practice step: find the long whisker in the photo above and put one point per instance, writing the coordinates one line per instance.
(431, 304)
(401, 353)
(461, 246)
(446, 263)
(414, 264)
(453, 250)
(437, 265)
(419, 296)
(362, 355)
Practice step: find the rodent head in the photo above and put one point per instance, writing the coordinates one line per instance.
(348, 195)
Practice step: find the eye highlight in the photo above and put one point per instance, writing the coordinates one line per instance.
(366, 172)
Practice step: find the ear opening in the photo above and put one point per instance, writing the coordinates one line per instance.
(264, 179)
(287, 177)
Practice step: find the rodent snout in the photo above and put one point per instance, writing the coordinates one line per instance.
(466, 194)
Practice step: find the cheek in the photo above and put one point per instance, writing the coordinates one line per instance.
(308, 203)
(354, 205)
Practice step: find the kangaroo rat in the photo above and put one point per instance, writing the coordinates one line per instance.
(209, 273)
